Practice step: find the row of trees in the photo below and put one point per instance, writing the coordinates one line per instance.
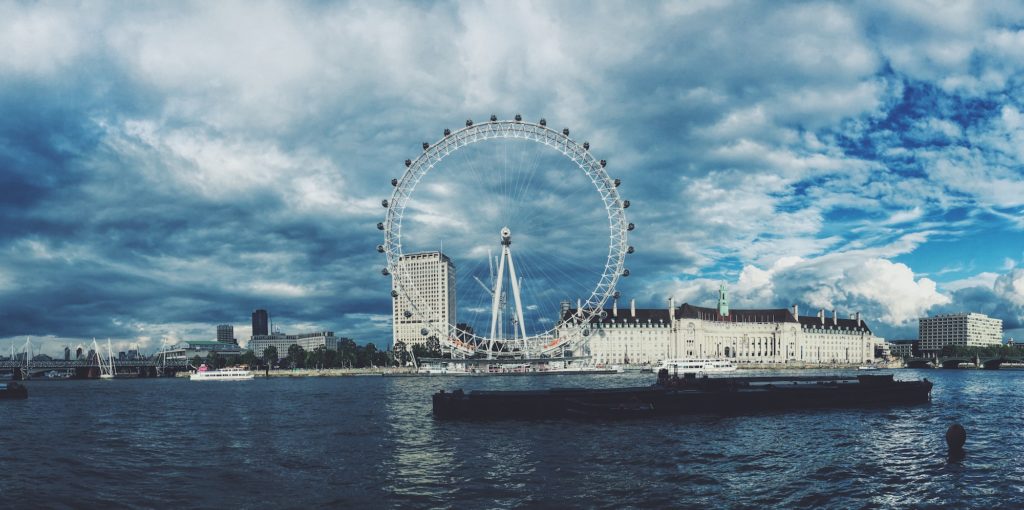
(988, 351)
(348, 355)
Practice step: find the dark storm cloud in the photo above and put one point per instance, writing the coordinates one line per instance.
(167, 168)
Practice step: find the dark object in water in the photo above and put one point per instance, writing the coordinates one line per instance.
(689, 395)
(13, 390)
(956, 436)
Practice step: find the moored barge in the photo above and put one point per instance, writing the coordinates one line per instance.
(689, 395)
(13, 390)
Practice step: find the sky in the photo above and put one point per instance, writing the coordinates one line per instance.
(166, 167)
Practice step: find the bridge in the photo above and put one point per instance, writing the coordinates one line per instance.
(986, 363)
(23, 365)
(91, 368)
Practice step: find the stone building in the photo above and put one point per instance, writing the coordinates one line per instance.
(756, 336)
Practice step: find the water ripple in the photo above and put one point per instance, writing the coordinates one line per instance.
(371, 442)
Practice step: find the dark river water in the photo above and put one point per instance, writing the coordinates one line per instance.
(370, 442)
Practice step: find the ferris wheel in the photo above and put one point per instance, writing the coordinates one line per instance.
(529, 223)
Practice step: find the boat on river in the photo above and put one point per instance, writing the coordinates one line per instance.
(13, 390)
(672, 395)
(696, 365)
(223, 374)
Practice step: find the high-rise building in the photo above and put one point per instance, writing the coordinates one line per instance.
(260, 323)
(959, 329)
(432, 274)
(226, 333)
(281, 342)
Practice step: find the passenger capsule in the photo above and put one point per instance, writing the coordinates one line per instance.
(424, 331)
(380, 226)
(494, 118)
(625, 272)
(565, 131)
(630, 227)
(519, 118)
(385, 271)
(630, 250)
(616, 295)
(394, 293)
(384, 203)
(625, 204)
(604, 163)
(394, 182)
(586, 332)
(407, 314)
(469, 122)
(380, 248)
(408, 163)
(617, 182)
(543, 122)
(586, 146)
(447, 132)
(426, 145)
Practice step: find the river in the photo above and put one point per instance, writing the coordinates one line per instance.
(370, 442)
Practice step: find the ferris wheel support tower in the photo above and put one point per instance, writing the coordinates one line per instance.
(506, 254)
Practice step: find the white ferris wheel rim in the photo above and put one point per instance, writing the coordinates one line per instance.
(579, 154)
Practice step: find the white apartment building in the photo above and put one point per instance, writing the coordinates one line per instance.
(768, 336)
(281, 341)
(432, 274)
(960, 329)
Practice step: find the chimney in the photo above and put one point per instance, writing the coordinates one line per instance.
(671, 306)
(632, 308)
(835, 318)
(858, 319)
(796, 312)
(821, 316)
(615, 307)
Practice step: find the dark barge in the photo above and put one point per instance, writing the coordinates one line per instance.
(13, 390)
(689, 395)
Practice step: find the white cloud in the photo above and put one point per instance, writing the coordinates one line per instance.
(39, 40)
(1010, 286)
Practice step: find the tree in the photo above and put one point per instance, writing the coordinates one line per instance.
(213, 360)
(296, 356)
(315, 358)
(401, 354)
(380, 358)
(420, 351)
(196, 361)
(433, 346)
(248, 359)
(330, 358)
(270, 355)
(347, 353)
(371, 354)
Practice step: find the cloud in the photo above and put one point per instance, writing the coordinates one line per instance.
(164, 169)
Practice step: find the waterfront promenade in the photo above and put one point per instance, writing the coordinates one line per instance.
(328, 372)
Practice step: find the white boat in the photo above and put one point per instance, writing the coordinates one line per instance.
(868, 367)
(696, 366)
(224, 374)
